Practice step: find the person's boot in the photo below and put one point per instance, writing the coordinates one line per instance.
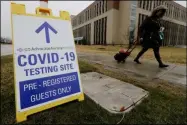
(137, 61)
(157, 56)
(138, 56)
(163, 65)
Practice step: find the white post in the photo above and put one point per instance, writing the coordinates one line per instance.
(44, 4)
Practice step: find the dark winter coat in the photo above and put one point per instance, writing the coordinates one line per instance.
(149, 31)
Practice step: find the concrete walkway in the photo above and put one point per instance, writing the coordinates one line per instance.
(113, 95)
(148, 70)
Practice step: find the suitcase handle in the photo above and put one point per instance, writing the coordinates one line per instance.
(134, 46)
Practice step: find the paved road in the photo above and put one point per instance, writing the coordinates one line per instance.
(147, 71)
(6, 49)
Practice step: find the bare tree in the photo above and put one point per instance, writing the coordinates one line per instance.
(6, 40)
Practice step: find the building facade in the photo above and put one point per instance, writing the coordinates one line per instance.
(111, 22)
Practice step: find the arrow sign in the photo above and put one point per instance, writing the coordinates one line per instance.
(47, 27)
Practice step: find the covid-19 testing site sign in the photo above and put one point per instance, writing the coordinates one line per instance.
(45, 61)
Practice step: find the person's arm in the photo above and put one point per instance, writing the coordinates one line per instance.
(141, 29)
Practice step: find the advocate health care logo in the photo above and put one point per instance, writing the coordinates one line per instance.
(20, 50)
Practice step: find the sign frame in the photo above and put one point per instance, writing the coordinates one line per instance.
(19, 9)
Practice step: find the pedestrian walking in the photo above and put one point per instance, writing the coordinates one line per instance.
(150, 34)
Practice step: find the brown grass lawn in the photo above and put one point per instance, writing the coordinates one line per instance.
(168, 54)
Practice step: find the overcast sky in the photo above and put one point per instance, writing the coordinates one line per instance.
(73, 7)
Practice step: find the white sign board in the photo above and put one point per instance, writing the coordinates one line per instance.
(45, 61)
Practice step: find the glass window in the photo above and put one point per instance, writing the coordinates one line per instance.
(88, 15)
(143, 4)
(100, 8)
(147, 7)
(95, 11)
(140, 3)
(134, 2)
(133, 15)
(103, 6)
(106, 6)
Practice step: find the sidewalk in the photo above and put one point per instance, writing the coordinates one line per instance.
(6, 49)
(148, 70)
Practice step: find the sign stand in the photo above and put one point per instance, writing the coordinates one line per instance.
(26, 85)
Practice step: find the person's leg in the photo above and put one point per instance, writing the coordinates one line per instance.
(140, 54)
(158, 58)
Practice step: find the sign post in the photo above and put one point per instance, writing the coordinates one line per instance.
(46, 71)
(44, 3)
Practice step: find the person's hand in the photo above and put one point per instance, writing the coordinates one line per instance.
(139, 40)
(162, 29)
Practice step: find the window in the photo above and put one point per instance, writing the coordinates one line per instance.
(95, 32)
(133, 15)
(88, 14)
(100, 31)
(150, 3)
(147, 7)
(95, 10)
(143, 4)
(133, 12)
(140, 4)
(106, 5)
(139, 20)
(154, 4)
(103, 6)
(134, 2)
(169, 10)
(105, 29)
(99, 7)
(159, 2)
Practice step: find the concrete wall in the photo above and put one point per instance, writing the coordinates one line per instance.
(109, 31)
(92, 33)
(115, 27)
(124, 22)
